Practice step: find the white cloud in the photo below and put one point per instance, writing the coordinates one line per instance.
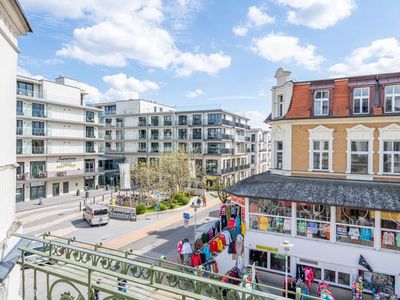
(118, 32)
(382, 55)
(240, 30)
(187, 63)
(256, 119)
(318, 14)
(195, 93)
(285, 48)
(93, 94)
(123, 87)
(255, 17)
(258, 17)
(24, 72)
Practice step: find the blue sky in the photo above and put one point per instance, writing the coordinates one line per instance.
(210, 52)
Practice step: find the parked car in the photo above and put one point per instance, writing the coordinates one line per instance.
(96, 214)
(36, 258)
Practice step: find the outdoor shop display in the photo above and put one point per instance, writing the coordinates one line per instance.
(358, 288)
(380, 285)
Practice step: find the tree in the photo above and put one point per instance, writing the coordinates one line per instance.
(145, 175)
(222, 185)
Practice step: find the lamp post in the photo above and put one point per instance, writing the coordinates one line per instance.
(286, 245)
(195, 207)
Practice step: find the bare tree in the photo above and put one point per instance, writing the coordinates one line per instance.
(146, 176)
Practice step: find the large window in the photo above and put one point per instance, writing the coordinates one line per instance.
(90, 116)
(279, 154)
(270, 215)
(38, 169)
(361, 100)
(359, 157)
(25, 88)
(214, 119)
(167, 120)
(267, 260)
(321, 103)
(313, 221)
(37, 147)
(90, 132)
(197, 119)
(110, 110)
(37, 128)
(214, 133)
(391, 157)
(320, 153)
(385, 282)
(355, 226)
(392, 98)
(197, 134)
(20, 108)
(182, 120)
(390, 225)
(38, 192)
(212, 166)
(167, 133)
(182, 134)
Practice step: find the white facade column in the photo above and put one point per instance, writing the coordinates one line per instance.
(377, 231)
(294, 219)
(333, 224)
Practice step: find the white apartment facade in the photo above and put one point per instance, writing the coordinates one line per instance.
(13, 23)
(139, 130)
(260, 150)
(58, 139)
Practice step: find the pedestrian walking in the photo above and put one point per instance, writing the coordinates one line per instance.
(198, 201)
(204, 198)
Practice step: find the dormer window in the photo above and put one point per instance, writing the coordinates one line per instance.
(279, 106)
(392, 98)
(321, 103)
(361, 100)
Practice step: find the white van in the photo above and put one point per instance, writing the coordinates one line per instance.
(96, 214)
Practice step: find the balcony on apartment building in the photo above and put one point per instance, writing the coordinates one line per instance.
(154, 121)
(142, 136)
(119, 123)
(155, 149)
(108, 137)
(242, 167)
(142, 121)
(28, 150)
(154, 136)
(142, 150)
(119, 136)
(197, 136)
(182, 136)
(29, 112)
(218, 151)
(212, 171)
(227, 170)
(90, 149)
(197, 121)
(29, 93)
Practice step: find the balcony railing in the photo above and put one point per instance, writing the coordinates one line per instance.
(167, 123)
(142, 137)
(227, 122)
(90, 150)
(29, 93)
(38, 131)
(38, 150)
(227, 170)
(227, 136)
(89, 119)
(197, 136)
(119, 124)
(182, 136)
(108, 137)
(154, 137)
(120, 137)
(142, 150)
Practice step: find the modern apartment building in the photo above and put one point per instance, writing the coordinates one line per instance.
(260, 150)
(13, 23)
(334, 185)
(58, 139)
(139, 130)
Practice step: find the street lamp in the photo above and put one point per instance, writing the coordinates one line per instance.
(286, 245)
(195, 207)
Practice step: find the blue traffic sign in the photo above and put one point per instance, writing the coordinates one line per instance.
(186, 216)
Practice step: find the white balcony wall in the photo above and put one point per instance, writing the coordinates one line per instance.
(61, 93)
(65, 113)
(65, 147)
(66, 130)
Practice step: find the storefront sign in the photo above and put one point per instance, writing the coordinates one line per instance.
(66, 162)
(267, 248)
(40, 183)
(122, 213)
(238, 200)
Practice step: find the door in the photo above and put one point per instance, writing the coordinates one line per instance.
(65, 187)
(56, 189)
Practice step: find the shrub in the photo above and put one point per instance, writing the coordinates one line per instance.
(140, 209)
(181, 198)
(163, 207)
(174, 205)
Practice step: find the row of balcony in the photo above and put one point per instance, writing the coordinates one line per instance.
(31, 150)
(227, 137)
(153, 149)
(236, 168)
(44, 113)
(56, 174)
(50, 132)
(145, 123)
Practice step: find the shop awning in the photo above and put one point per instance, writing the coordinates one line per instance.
(383, 196)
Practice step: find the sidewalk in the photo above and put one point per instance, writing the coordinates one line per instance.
(135, 235)
(34, 204)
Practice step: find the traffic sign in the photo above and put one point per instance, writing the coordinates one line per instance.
(186, 223)
(186, 216)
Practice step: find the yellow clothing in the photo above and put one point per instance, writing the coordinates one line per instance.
(243, 228)
(220, 245)
(263, 223)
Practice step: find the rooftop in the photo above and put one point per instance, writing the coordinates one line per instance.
(382, 196)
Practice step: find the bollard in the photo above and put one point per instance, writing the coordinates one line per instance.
(80, 205)
(94, 200)
(102, 198)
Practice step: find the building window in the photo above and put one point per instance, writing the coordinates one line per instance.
(38, 169)
(212, 167)
(38, 192)
(279, 155)
(313, 221)
(37, 128)
(214, 133)
(20, 127)
(37, 147)
(25, 88)
(167, 120)
(321, 103)
(20, 108)
(142, 121)
(154, 134)
(154, 147)
(182, 120)
(110, 110)
(391, 157)
(182, 134)
(361, 100)
(90, 116)
(214, 119)
(90, 147)
(355, 226)
(197, 148)
(90, 132)
(359, 157)
(154, 121)
(343, 278)
(89, 165)
(320, 153)
(390, 225)
(279, 106)
(270, 215)
(392, 98)
(167, 147)
(197, 134)
(167, 133)
(197, 119)
(386, 282)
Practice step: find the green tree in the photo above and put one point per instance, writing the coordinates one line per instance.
(222, 185)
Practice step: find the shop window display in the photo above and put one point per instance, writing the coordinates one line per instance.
(270, 215)
(390, 230)
(343, 278)
(261, 258)
(313, 221)
(355, 226)
(378, 283)
(278, 262)
(330, 275)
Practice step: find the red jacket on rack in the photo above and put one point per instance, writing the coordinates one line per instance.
(196, 260)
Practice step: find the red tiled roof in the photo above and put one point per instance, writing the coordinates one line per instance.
(341, 99)
(300, 105)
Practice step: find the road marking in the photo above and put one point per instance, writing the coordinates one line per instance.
(40, 216)
(46, 226)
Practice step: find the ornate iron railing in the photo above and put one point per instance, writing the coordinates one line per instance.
(74, 270)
